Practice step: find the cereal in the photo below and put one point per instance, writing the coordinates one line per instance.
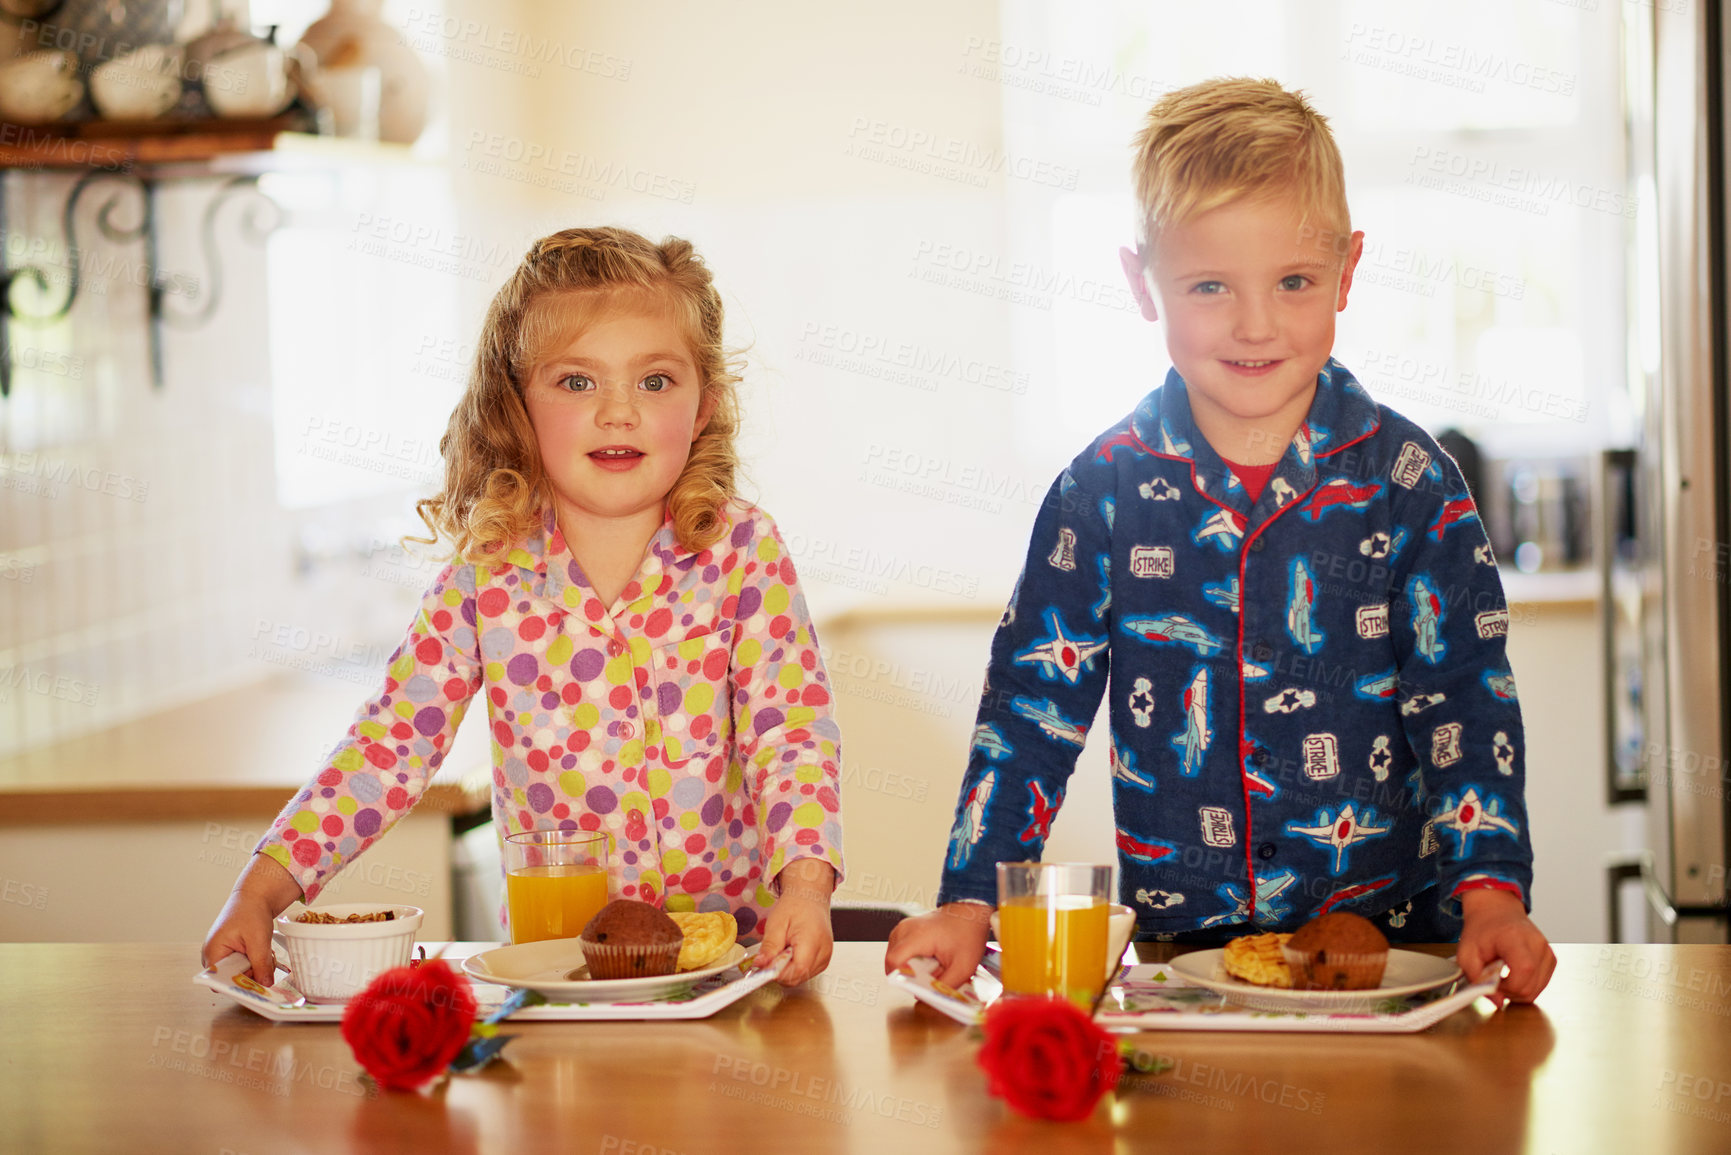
(708, 935)
(320, 918)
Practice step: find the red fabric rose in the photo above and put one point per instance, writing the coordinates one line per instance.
(409, 1023)
(1045, 1057)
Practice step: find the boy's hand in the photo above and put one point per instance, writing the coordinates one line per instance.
(955, 934)
(800, 919)
(263, 891)
(1495, 925)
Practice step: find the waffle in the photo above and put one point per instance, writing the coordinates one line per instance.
(707, 937)
(1258, 959)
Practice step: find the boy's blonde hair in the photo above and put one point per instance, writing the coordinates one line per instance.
(496, 490)
(1233, 137)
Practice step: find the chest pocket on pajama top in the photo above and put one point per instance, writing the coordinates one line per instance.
(691, 689)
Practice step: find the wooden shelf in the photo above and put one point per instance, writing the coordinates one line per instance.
(133, 144)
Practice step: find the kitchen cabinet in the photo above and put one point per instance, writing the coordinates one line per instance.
(137, 832)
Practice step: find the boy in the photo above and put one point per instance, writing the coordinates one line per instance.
(1310, 703)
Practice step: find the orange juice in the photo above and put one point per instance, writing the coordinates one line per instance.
(553, 901)
(1054, 946)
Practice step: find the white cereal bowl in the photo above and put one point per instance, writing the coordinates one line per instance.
(331, 962)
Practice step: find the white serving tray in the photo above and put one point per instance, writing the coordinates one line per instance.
(1154, 997)
(283, 1004)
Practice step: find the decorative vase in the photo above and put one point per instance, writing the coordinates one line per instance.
(351, 35)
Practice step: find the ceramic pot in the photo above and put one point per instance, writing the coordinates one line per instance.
(138, 85)
(223, 36)
(256, 79)
(39, 87)
(351, 35)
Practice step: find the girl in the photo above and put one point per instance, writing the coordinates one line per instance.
(635, 629)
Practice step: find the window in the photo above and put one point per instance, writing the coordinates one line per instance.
(1484, 160)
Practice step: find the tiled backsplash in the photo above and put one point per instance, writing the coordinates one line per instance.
(145, 559)
(136, 530)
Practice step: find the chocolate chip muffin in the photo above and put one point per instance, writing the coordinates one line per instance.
(1337, 951)
(628, 939)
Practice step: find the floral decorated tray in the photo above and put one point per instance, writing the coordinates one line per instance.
(694, 1000)
(1156, 997)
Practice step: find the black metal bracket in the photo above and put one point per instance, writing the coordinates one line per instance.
(207, 293)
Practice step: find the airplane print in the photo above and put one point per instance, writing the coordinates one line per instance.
(991, 743)
(1501, 683)
(1377, 687)
(1041, 811)
(1427, 617)
(1143, 849)
(1338, 493)
(1061, 656)
(1271, 907)
(1045, 715)
(1469, 816)
(1194, 741)
(1223, 529)
(1341, 831)
(1454, 512)
(1301, 600)
(1356, 891)
(1222, 593)
(970, 821)
(1124, 770)
(1171, 445)
(1125, 440)
(1174, 630)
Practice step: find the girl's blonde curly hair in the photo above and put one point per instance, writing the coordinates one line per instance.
(495, 490)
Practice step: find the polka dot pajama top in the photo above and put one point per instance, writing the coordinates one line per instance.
(690, 720)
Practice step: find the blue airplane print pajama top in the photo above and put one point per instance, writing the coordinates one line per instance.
(1310, 702)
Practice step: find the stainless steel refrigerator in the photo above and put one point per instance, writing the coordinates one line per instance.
(1664, 559)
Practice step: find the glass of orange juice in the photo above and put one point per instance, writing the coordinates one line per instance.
(555, 881)
(1052, 927)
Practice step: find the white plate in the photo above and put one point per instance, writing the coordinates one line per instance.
(1408, 973)
(282, 1004)
(547, 966)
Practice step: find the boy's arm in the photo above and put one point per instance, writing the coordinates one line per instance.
(1448, 620)
(1048, 668)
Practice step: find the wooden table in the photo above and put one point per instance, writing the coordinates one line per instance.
(111, 1047)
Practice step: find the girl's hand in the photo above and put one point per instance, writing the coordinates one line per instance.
(1495, 925)
(800, 919)
(263, 891)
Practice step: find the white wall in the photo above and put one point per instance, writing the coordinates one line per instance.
(839, 167)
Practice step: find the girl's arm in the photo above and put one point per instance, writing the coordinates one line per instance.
(783, 731)
(800, 919)
(790, 748)
(263, 891)
(398, 740)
